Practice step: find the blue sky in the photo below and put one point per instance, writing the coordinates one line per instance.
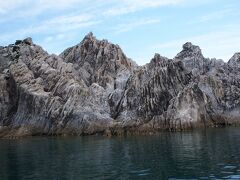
(141, 27)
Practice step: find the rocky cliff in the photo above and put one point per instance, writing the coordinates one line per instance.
(94, 88)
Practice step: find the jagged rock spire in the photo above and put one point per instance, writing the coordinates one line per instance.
(235, 58)
(189, 50)
(188, 46)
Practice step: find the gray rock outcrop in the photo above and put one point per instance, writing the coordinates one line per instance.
(94, 88)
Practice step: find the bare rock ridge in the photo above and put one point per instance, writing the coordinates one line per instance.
(94, 87)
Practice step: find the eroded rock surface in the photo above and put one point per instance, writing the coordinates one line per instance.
(94, 88)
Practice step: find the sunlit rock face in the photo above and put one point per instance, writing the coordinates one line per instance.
(94, 87)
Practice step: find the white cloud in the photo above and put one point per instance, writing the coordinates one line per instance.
(69, 19)
(13, 4)
(128, 26)
(216, 15)
(58, 42)
(130, 6)
(58, 4)
(26, 9)
(40, 4)
(56, 25)
(21, 8)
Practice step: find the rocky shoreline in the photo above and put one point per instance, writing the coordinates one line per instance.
(94, 87)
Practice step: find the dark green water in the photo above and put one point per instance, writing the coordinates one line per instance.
(210, 154)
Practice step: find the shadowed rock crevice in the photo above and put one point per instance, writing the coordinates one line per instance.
(94, 88)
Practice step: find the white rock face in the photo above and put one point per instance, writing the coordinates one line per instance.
(94, 88)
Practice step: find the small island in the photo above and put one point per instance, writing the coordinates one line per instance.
(94, 88)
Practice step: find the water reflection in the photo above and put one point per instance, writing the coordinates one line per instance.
(210, 154)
